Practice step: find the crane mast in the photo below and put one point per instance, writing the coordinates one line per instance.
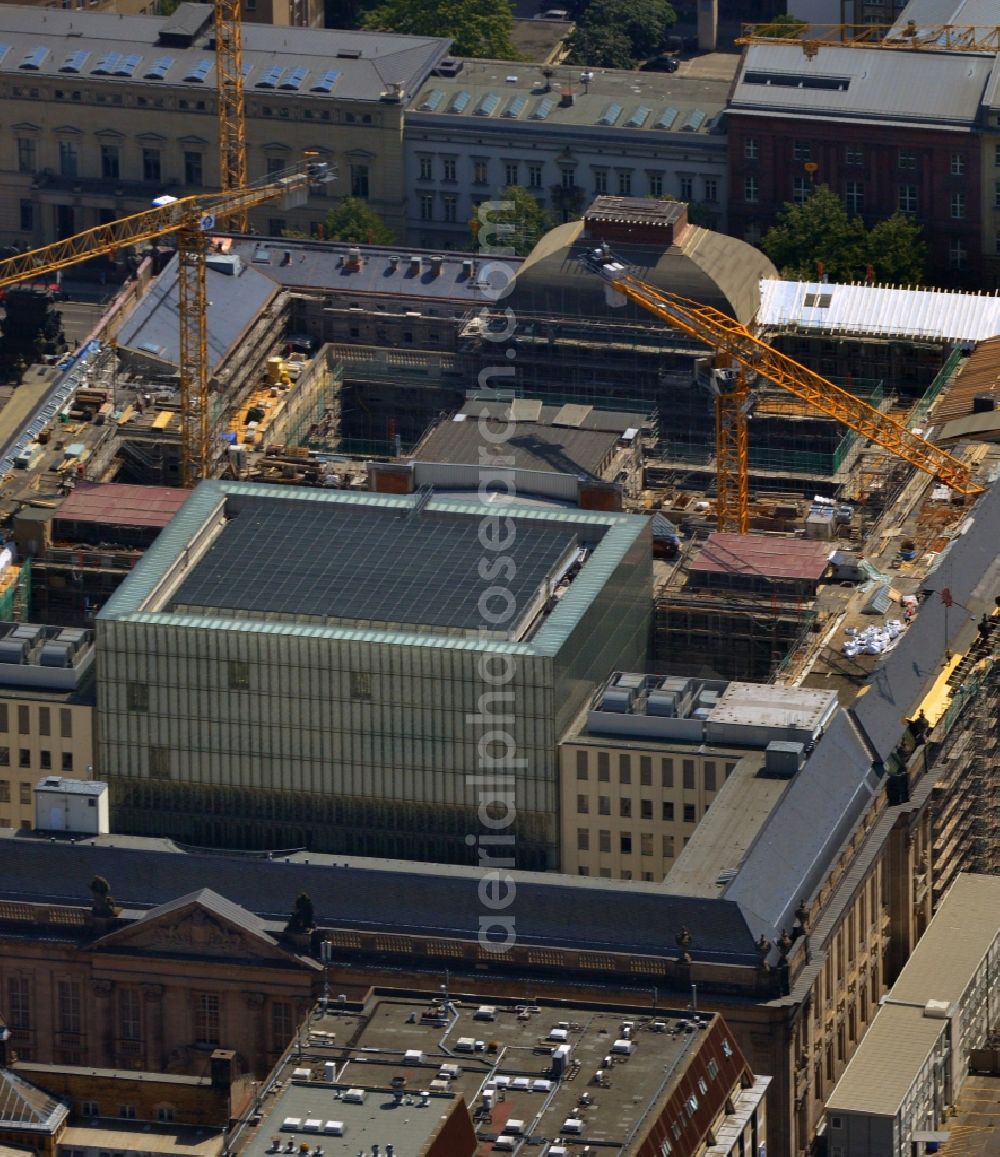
(741, 355)
(232, 111)
(190, 219)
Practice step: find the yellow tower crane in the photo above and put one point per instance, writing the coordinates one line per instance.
(930, 37)
(741, 355)
(232, 110)
(190, 219)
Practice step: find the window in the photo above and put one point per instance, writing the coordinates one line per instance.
(23, 720)
(854, 198)
(27, 154)
(426, 206)
(690, 814)
(604, 805)
(275, 226)
(668, 811)
(129, 1014)
(25, 794)
(3, 717)
(646, 843)
(449, 203)
(801, 151)
(666, 773)
(907, 159)
(624, 183)
(907, 199)
(730, 768)
(958, 255)
(711, 190)
(645, 809)
(166, 1113)
(24, 757)
(996, 156)
(281, 1025)
(583, 839)
(855, 154)
(44, 721)
(713, 1068)
(625, 808)
(65, 723)
(4, 759)
(137, 697)
(582, 805)
(687, 771)
(996, 195)
(751, 190)
(510, 173)
(67, 761)
(668, 847)
(126, 1112)
(426, 169)
(206, 1018)
(480, 172)
(448, 164)
(68, 1006)
(159, 762)
(359, 181)
(957, 164)
(646, 770)
(90, 1108)
(5, 792)
(603, 767)
(801, 189)
(601, 182)
(275, 167)
(110, 162)
(957, 205)
(45, 760)
(751, 149)
(656, 184)
(18, 1002)
(624, 769)
(194, 173)
(567, 178)
(625, 843)
(709, 775)
(27, 217)
(582, 766)
(361, 685)
(534, 176)
(686, 190)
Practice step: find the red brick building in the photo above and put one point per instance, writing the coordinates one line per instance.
(887, 130)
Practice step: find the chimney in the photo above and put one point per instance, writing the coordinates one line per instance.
(566, 98)
(468, 268)
(436, 263)
(354, 258)
(221, 1068)
(415, 263)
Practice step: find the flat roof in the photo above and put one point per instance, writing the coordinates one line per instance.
(56, 783)
(363, 567)
(764, 555)
(119, 504)
(494, 96)
(533, 446)
(877, 310)
(774, 705)
(144, 1138)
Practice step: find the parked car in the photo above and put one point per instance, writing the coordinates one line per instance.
(661, 64)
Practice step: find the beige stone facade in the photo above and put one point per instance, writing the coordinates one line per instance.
(40, 734)
(628, 808)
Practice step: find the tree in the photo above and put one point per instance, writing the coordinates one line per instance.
(617, 33)
(356, 221)
(820, 230)
(600, 47)
(477, 27)
(896, 250)
(528, 219)
(783, 27)
(821, 237)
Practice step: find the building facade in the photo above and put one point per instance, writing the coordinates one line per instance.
(565, 137)
(864, 121)
(106, 112)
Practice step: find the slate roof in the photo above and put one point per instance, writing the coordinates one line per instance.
(152, 327)
(26, 1108)
(417, 899)
(862, 83)
(207, 898)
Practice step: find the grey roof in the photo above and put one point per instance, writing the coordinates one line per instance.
(979, 12)
(386, 271)
(794, 848)
(152, 328)
(26, 1108)
(970, 569)
(503, 97)
(532, 410)
(381, 57)
(418, 899)
(341, 564)
(533, 446)
(210, 899)
(866, 83)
